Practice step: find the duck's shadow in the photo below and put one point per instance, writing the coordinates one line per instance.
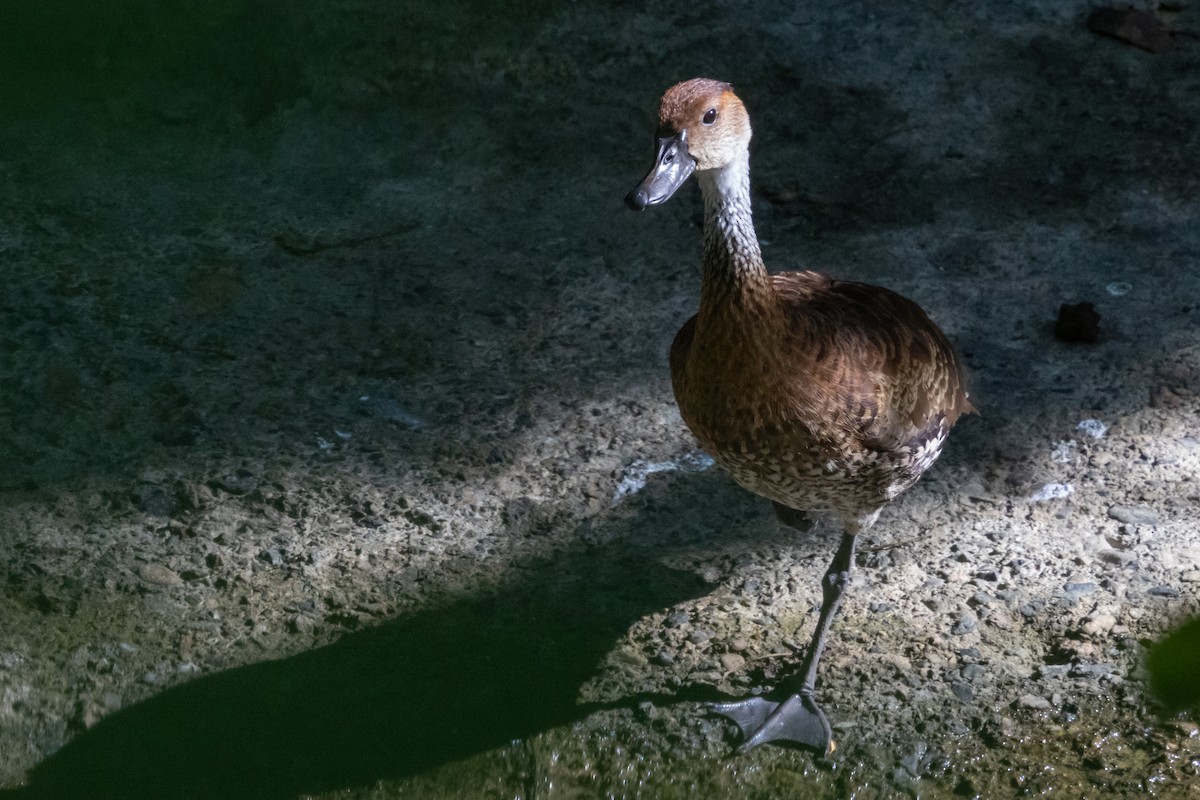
(396, 699)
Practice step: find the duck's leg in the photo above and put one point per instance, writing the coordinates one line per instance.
(798, 718)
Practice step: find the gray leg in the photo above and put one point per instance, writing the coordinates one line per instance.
(798, 718)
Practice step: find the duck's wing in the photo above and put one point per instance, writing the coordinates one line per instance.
(868, 362)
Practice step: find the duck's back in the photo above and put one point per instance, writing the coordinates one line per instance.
(832, 396)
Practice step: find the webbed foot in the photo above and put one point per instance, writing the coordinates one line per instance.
(797, 719)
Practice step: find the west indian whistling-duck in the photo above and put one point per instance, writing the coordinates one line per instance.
(818, 394)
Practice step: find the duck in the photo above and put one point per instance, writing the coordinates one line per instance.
(821, 395)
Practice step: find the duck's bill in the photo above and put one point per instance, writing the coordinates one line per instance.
(672, 166)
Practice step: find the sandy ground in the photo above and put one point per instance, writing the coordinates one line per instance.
(338, 456)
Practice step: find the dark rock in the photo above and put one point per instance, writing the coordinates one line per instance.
(1077, 323)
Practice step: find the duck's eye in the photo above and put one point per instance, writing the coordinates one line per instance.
(710, 116)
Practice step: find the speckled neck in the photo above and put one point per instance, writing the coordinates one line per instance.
(733, 264)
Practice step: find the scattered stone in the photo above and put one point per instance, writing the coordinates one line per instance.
(1080, 588)
(1052, 491)
(956, 727)
(156, 501)
(1164, 591)
(1091, 670)
(964, 624)
(1116, 558)
(664, 658)
(732, 662)
(677, 619)
(1100, 622)
(631, 657)
(963, 691)
(999, 618)
(1032, 608)
(1134, 515)
(700, 636)
(1033, 702)
(158, 574)
(972, 671)
(1189, 729)
(981, 599)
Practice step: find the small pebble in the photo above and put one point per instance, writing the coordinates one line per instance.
(1032, 608)
(1101, 622)
(972, 671)
(677, 619)
(965, 624)
(957, 727)
(1091, 670)
(1052, 491)
(1093, 428)
(981, 599)
(1164, 591)
(963, 691)
(700, 636)
(1080, 588)
(158, 574)
(632, 657)
(732, 662)
(1033, 701)
(1134, 515)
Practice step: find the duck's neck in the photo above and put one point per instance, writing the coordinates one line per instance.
(734, 273)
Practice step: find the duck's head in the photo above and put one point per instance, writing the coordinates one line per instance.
(701, 125)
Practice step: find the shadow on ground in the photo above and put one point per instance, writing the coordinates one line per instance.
(391, 701)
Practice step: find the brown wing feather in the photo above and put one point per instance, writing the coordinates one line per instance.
(869, 360)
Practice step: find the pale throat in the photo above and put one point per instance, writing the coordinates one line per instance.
(732, 257)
